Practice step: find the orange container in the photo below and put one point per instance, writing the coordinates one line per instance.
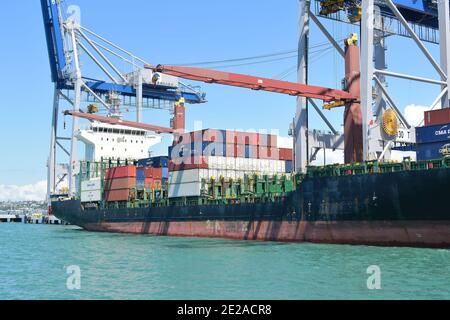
(437, 117)
(120, 172)
(286, 154)
(119, 195)
(155, 173)
(120, 183)
(268, 153)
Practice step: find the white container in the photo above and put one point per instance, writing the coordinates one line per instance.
(186, 176)
(240, 174)
(191, 189)
(91, 185)
(231, 163)
(91, 196)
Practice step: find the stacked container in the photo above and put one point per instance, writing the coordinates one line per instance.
(149, 178)
(152, 173)
(91, 190)
(433, 140)
(120, 183)
(219, 154)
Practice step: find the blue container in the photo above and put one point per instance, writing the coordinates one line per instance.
(214, 149)
(431, 151)
(289, 166)
(250, 151)
(165, 172)
(140, 175)
(155, 162)
(429, 134)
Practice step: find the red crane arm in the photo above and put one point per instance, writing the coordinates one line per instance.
(116, 121)
(255, 83)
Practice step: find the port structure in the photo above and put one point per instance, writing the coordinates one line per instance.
(424, 21)
(67, 40)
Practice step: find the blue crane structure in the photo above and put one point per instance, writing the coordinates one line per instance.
(66, 39)
(58, 58)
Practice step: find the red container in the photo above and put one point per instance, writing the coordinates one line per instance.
(268, 153)
(235, 150)
(188, 164)
(155, 173)
(214, 135)
(267, 140)
(286, 154)
(437, 117)
(119, 195)
(120, 183)
(243, 138)
(120, 172)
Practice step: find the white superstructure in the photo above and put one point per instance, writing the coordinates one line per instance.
(116, 142)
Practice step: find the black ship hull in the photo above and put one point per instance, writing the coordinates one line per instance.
(408, 208)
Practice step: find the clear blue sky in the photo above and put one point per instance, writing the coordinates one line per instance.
(172, 32)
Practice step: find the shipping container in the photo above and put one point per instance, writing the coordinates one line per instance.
(191, 189)
(120, 183)
(214, 135)
(120, 172)
(242, 138)
(436, 117)
(235, 150)
(91, 185)
(157, 162)
(285, 154)
(188, 163)
(251, 151)
(436, 133)
(213, 149)
(155, 173)
(165, 173)
(289, 166)
(91, 196)
(270, 153)
(149, 183)
(118, 195)
(267, 140)
(193, 175)
(432, 151)
(140, 173)
(207, 135)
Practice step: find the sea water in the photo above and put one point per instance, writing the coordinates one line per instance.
(66, 262)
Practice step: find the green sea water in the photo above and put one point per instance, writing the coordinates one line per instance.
(35, 259)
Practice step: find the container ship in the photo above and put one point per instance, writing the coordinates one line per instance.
(240, 185)
(255, 186)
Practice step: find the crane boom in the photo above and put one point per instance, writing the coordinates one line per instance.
(111, 120)
(255, 83)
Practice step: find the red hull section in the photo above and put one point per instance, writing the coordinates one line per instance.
(382, 233)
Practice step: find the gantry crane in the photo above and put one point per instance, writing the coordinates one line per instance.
(137, 87)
